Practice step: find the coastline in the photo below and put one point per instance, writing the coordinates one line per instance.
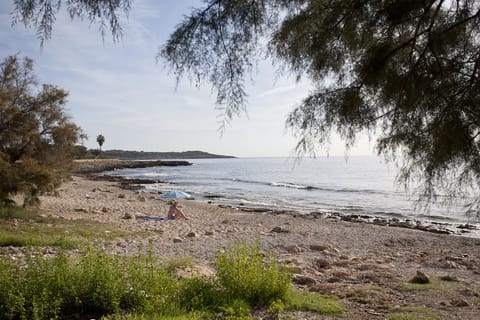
(90, 167)
(325, 254)
(93, 170)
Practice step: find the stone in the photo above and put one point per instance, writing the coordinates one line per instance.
(191, 234)
(322, 263)
(294, 249)
(420, 278)
(459, 303)
(334, 279)
(304, 280)
(279, 229)
(209, 233)
(128, 216)
(141, 199)
(122, 196)
(318, 247)
(104, 209)
(177, 240)
(448, 278)
(121, 245)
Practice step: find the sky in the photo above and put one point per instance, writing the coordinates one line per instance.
(119, 90)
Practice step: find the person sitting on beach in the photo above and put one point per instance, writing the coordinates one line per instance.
(174, 212)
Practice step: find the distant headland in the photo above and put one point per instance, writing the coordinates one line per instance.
(144, 155)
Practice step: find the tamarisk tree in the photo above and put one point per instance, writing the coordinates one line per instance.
(40, 14)
(406, 72)
(36, 137)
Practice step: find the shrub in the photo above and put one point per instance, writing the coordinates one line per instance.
(236, 310)
(244, 275)
(96, 284)
(201, 294)
(275, 309)
(91, 283)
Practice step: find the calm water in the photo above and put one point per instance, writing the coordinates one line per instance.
(358, 185)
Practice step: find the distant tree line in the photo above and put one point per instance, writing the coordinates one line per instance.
(84, 153)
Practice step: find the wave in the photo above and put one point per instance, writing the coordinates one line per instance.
(274, 184)
(291, 185)
(307, 187)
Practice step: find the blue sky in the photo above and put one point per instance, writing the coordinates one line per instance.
(120, 91)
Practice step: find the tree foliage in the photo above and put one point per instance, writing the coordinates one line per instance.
(404, 71)
(36, 137)
(100, 140)
(40, 14)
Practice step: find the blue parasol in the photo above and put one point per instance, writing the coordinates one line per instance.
(176, 195)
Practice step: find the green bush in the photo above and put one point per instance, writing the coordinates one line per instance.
(96, 284)
(236, 310)
(91, 283)
(201, 294)
(150, 288)
(10, 301)
(243, 273)
(275, 309)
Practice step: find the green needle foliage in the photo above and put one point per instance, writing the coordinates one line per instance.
(36, 136)
(40, 14)
(405, 72)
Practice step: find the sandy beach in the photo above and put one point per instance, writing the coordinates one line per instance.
(366, 265)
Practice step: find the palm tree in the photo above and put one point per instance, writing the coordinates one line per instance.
(100, 141)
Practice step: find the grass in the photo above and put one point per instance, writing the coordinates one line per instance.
(94, 284)
(438, 287)
(365, 294)
(57, 233)
(19, 213)
(20, 227)
(190, 316)
(308, 301)
(412, 313)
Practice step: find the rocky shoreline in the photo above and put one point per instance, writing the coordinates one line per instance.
(368, 266)
(90, 167)
(433, 227)
(93, 170)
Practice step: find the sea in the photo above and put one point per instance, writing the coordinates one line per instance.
(336, 186)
